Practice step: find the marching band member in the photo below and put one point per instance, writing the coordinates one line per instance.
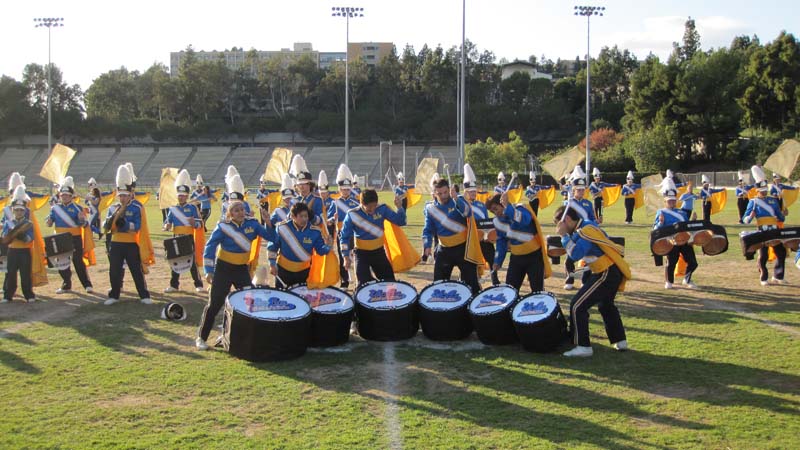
(303, 185)
(325, 195)
(766, 210)
(356, 188)
(585, 209)
(226, 197)
(364, 224)
(233, 235)
(401, 190)
(92, 200)
(776, 190)
(518, 230)
(337, 213)
(596, 190)
(532, 192)
(201, 194)
(447, 217)
(291, 249)
(742, 198)
(482, 219)
(183, 219)
(263, 197)
(583, 239)
(70, 218)
(705, 195)
(281, 214)
(670, 216)
(123, 223)
(629, 192)
(13, 181)
(17, 234)
(687, 199)
(501, 183)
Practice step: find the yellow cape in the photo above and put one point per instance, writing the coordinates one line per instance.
(324, 269)
(402, 255)
(38, 260)
(548, 271)
(616, 252)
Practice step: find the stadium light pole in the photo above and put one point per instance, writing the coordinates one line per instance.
(49, 22)
(588, 12)
(461, 85)
(347, 12)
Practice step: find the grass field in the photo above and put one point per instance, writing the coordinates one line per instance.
(718, 367)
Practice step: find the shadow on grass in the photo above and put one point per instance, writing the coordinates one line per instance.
(14, 361)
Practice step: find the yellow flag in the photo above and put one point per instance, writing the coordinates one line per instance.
(789, 197)
(107, 200)
(546, 197)
(752, 193)
(413, 197)
(278, 165)
(652, 197)
(57, 164)
(483, 196)
(425, 170)
(3, 202)
(167, 196)
(402, 255)
(275, 199)
(562, 165)
(38, 202)
(611, 195)
(638, 199)
(38, 260)
(718, 201)
(784, 159)
(514, 195)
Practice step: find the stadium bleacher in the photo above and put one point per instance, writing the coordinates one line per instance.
(165, 157)
(327, 159)
(15, 160)
(207, 161)
(248, 161)
(89, 163)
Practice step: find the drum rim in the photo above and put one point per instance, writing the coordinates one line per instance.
(330, 313)
(501, 285)
(373, 282)
(249, 288)
(522, 299)
(437, 282)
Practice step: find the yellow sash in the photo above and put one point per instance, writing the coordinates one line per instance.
(548, 271)
(402, 255)
(594, 235)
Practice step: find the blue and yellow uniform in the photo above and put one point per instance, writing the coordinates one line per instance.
(517, 231)
(448, 222)
(337, 212)
(584, 208)
(742, 198)
(688, 199)
(485, 226)
(314, 203)
(596, 191)
(776, 190)
(124, 249)
(247, 211)
(279, 215)
(368, 232)
(19, 259)
(671, 216)
(179, 218)
(628, 192)
(291, 251)
(767, 213)
(70, 219)
(705, 196)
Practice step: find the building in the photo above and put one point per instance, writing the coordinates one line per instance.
(370, 52)
(238, 57)
(524, 67)
(327, 59)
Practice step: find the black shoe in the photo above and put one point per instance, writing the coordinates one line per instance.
(344, 285)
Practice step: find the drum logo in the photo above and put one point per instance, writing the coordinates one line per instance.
(533, 309)
(257, 304)
(390, 294)
(442, 296)
(492, 300)
(320, 299)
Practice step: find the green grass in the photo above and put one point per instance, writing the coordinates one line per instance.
(714, 368)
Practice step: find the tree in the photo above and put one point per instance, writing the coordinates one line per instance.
(113, 96)
(17, 116)
(691, 42)
(492, 157)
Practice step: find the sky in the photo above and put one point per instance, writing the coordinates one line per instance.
(101, 36)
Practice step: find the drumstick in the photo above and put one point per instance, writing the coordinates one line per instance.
(447, 170)
(281, 281)
(513, 177)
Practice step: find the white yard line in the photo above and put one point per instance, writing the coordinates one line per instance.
(391, 386)
(751, 315)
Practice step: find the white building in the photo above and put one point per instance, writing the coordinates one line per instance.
(524, 67)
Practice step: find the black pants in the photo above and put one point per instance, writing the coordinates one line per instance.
(600, 289)
(598, 207)
(175, 279)
(629, 204)
(531, 265)
(123, 252)
(290, 278)
(205, 214)
(225, 276)
(449, 257)
(96, 225)
(370, 262)
(569, 265)
(780, 261)
(741, 203)
(344, 275)
(18, 260)
(672, 260)
(163, 215)
(707, 211)
(534, 205)
(80, 267)
(487, 248)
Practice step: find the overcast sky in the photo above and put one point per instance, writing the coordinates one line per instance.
(101, 36)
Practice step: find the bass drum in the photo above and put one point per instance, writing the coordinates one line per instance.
(539, 322)
(491, 314)
(386, 311)
(332, 313)
(444, 310)
(266, 325)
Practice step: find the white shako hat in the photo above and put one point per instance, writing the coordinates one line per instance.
(470, 181)
(741, 174)
(299, 170)
(630, 175)
(67, 185)
(760, 178)
(596, 172)
(183, 182)
(435, 179)
(230, 173)
(578, 178)
(19, 198)
(532, 176)
(670, 174)
(133, 173)
(198, 180)
(262, 179)
(400, 176)
(775, 176)
(287, 189)
(15, 180)
(704, 179)
(124, 179)
(173, 311)
(322, 181)
(92, 182)
(344, 178)
(235, 188)
(668, 189)
(501, 176)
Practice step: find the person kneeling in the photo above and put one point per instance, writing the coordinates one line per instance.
(290, 252)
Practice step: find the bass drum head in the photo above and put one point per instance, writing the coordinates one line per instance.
(266, 325)
(681, 237)
(491, 317)
(792, 244)
(443, 310)
(386, 311)
(554, 247)
(332, 312)
(181, 264)
(539, 322)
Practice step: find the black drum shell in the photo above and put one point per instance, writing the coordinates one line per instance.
(387, 324)
(545, 335)
(185, 244)
(58, 244)
(496, 328)
(452, 325)
(330, 329)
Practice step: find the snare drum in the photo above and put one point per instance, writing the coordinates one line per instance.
(444, 310)
(58, 249)
(266, 325)
(491, 314)
(539, 322)
(332, 313)
(386, 310)
(180, 252)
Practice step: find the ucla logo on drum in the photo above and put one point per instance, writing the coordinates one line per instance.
(492, 300)
(257, 304)
(321, 299)
(391, 294)
(442, 296)
(533, 309)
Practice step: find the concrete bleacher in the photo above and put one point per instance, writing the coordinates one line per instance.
(363, 160)
(413, 154)
(89, 163)
(15, 160)
(165, 157)
(248, 161)
(327, 159)
(206, 161)
(137, 156)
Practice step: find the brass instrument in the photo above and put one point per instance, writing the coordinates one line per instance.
(16, 231)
